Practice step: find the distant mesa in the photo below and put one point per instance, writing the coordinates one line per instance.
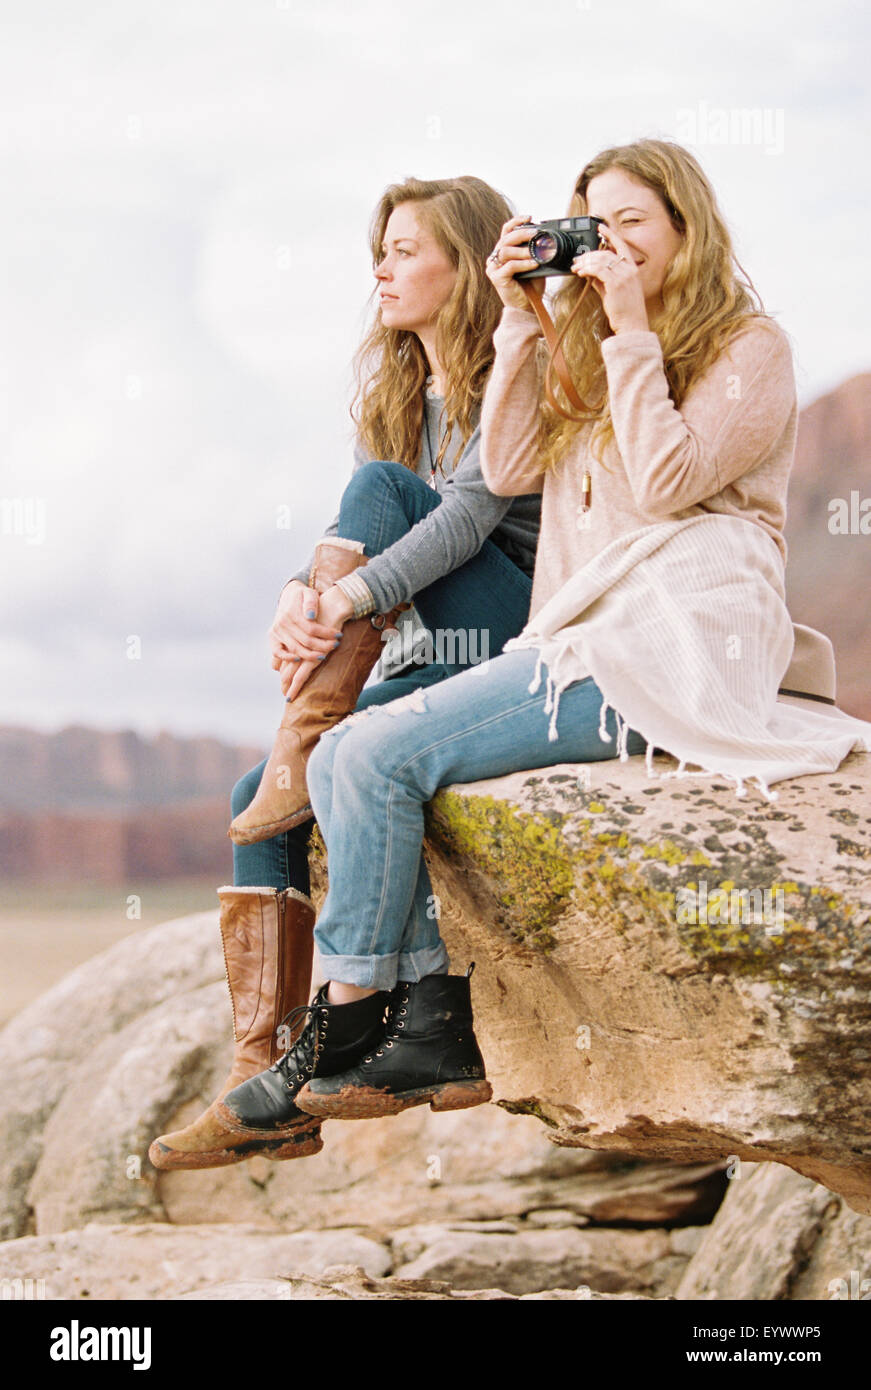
(827, 575)
(87, 805)
(86, 769)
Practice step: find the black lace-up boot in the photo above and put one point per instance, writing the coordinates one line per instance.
(427, 1052)
(333, 1038)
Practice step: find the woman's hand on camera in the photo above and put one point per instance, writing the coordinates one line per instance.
(614, 275)
(295, 659)
(509, 256)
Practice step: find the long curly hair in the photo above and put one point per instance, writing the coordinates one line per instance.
(465, 216)
(707, 297)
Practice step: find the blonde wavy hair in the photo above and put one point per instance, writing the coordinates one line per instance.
(707, 297)
(465, 216)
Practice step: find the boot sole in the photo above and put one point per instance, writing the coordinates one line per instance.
(368, 1103)
(170, 1160)
(257, 833)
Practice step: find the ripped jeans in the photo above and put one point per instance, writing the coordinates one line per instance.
(370, 776)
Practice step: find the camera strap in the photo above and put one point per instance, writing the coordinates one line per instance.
(557, 361)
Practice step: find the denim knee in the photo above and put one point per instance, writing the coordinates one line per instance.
(339, 755)
(370, 478)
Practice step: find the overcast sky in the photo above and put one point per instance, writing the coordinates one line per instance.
(187, 188)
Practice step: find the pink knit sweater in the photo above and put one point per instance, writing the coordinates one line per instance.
(728, 449)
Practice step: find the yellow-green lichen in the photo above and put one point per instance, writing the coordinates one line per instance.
(541, 865)
(670, 853)
(523, 854)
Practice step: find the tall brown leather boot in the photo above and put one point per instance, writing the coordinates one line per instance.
(329, 694)
(268, 947)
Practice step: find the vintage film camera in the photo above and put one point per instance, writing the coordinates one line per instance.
(555, 244)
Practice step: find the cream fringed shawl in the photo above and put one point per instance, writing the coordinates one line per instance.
(684, 628)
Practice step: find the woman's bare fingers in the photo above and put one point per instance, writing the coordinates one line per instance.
(513, 223)
(294, 677)
(279, 650)
(516, 232)
(508, 258)
(300, 641)
(320, 631)
(510, 252)
(292, 628)
(285, 629)
(617, 281)
(287, 671)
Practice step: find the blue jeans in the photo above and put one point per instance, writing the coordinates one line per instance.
(488, 596)
(370, 776)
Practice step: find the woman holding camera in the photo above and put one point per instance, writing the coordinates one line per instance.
(658, 592)
(426, 528)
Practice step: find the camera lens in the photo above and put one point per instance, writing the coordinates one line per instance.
(543, 247)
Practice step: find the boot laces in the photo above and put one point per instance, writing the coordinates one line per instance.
(396, 1012)
(300, 1060)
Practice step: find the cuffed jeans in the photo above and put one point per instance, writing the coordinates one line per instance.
(488, 596)
(370, 776)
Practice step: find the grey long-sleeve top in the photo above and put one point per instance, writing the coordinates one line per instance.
(453, 532)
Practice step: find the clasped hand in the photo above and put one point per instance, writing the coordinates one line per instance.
(306, 628)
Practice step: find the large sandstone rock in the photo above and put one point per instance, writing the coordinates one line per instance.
(43, 1047)
(162, 1261)
(485, 1169)
(622, 1026)
(780, 1236)
(157, 1260)
(94, 1164)
(527, 1261)
(137, 1041)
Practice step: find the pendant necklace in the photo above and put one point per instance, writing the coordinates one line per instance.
(432, 465)
(583, 512)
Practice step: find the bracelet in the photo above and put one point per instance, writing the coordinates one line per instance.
(357, 590)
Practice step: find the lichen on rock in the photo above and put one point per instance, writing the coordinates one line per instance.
(739, 1027)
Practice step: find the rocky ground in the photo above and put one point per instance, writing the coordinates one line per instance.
(475, 1204)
